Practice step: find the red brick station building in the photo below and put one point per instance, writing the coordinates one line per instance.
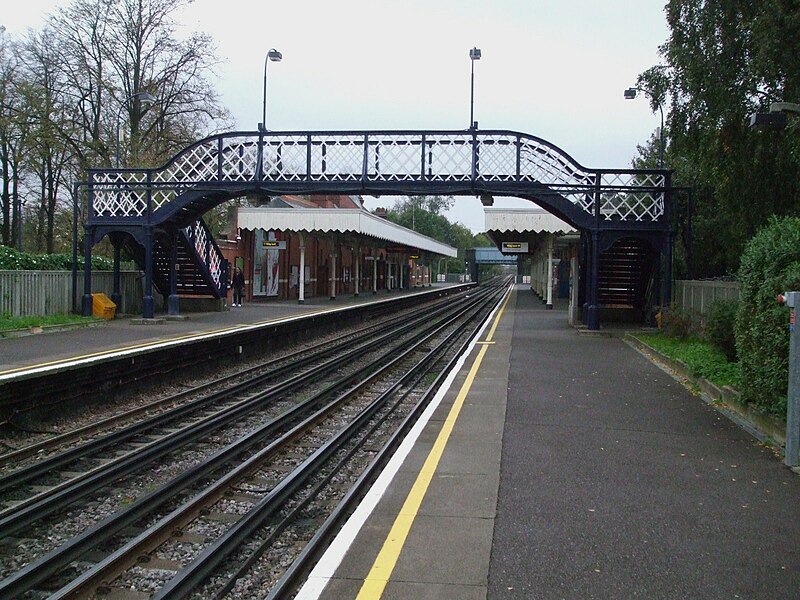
(294, 248)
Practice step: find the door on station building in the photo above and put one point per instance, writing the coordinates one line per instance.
(323, 285)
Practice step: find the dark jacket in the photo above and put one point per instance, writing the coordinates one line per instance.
(238, 281)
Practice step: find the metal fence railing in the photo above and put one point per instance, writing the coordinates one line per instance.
(39, 293)
(698, 296)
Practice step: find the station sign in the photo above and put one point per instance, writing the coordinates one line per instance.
(280, 245)
(519, 247)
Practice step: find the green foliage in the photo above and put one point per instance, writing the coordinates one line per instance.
(722, 62)
(770, 265)
(702, 358)
(9, 323)
(12, 260)
(423, 215)
(678, 323)
(719, 327)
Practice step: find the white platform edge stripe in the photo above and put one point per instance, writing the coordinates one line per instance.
(325, 569)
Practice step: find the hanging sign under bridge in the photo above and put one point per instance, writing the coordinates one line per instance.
(518, 247)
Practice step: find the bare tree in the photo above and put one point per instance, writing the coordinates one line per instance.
(47, 154)
(73, 98)
(118, 53)
(12, 135)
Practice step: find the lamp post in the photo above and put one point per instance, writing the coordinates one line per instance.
(474, 54)
(274, 56)
(630, 94)
(145, 98)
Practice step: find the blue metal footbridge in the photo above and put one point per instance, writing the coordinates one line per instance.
(157, 213)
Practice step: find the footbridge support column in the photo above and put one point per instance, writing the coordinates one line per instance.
(86, 300)
(549, 304)
(593, 310)
(173, 302)
(116, 295)
(301, 278)
(148, 302)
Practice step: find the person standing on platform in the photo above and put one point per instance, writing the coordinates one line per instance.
(237, 283)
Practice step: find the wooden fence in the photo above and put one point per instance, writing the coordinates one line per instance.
(32, 293)
(698, 296)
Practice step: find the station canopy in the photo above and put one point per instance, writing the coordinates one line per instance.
(531, 226)
(328, 215)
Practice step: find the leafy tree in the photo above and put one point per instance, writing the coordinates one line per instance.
(424, 215)
(723, 61)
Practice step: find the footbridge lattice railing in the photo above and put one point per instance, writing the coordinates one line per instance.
(375, 162)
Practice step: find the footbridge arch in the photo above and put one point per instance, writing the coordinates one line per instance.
(603, 203)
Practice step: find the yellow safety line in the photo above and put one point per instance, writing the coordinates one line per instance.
(378, 577)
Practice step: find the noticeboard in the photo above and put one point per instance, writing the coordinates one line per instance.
(520, 247)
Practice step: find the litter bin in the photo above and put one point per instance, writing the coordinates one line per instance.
(102, 306)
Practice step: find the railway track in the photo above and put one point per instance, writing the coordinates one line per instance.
(275, 462)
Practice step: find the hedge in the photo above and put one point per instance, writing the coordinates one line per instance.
(12, 260)
(770, 265)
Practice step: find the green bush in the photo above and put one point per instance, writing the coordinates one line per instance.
(12, 260)
(770, 264)
(701, 357)
(719, 327)
(676, 322)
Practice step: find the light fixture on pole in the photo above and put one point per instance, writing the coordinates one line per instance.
(474, 54)
(630, 94)
(145, 99)
(274, 56)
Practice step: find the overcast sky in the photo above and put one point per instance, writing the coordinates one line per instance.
(551, 68)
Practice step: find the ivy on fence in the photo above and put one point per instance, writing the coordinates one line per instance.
(13, 260)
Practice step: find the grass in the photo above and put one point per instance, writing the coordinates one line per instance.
(702, 358)
(8, 323)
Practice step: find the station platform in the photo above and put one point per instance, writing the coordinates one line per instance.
(564, 465)
(25, 352)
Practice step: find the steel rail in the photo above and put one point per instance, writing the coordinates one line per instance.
(184, 582)
(51, 563)
(324, 534)
(124, 557)
(434, 358)
(63, 438)
(60, 496)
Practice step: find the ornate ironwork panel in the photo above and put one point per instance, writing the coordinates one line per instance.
(206, 251)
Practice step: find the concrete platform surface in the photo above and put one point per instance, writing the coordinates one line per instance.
(127, 330)
(575, 469)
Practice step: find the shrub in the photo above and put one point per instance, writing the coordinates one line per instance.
(719, 327)
(677, 322)
(770, 264)
(12, 260)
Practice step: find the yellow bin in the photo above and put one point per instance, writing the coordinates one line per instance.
(102, 306)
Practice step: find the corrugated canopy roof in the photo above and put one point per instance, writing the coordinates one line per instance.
(525, 220)
(340, 220)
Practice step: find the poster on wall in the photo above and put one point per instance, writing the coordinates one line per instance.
(272, 267)
(266, 271)
(258, 263)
